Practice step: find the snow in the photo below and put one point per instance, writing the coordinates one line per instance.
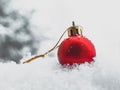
(47, 74)
(100, 20)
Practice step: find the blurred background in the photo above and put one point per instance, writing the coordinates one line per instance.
(31, 27)
(16, 36)
(27, 27)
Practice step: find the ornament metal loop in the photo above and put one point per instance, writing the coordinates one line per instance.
(75, 30)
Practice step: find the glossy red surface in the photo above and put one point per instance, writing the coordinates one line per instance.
(76, 49)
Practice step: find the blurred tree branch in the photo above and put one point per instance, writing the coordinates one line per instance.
(18, 37)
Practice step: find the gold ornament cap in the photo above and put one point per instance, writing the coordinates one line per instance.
(74, 30)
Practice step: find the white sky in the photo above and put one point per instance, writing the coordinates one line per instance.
(100, 19)
(101, 22)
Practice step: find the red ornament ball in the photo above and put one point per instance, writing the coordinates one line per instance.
(76, 50)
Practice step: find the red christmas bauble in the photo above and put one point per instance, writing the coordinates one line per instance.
(76, 50)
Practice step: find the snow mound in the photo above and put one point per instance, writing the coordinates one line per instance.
(47, 74)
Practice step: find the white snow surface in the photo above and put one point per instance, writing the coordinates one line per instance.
(47, 74)
(101, 22)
